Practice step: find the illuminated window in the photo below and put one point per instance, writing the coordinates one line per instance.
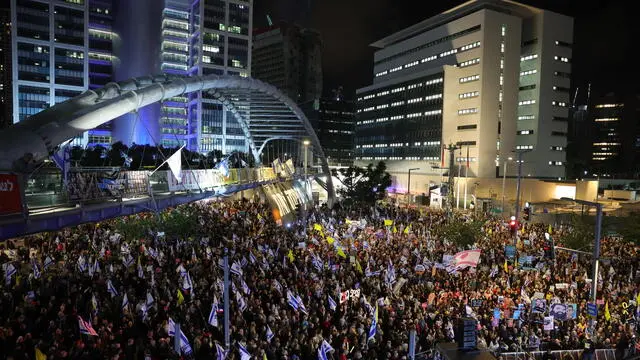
(528, 72)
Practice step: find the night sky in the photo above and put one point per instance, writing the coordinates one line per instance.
(604, 39)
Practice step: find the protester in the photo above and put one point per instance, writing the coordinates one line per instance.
(306, 292)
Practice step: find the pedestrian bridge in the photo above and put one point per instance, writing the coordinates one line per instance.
(33, 202)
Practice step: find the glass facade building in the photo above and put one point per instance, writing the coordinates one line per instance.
(60, 48)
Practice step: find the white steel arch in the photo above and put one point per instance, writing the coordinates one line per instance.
(263, 112)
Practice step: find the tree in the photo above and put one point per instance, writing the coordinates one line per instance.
(363, 186)
(460, 232)
(581, 235)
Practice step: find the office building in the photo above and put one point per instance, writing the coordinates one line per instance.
(55, 47)
(334, 120)
(6, 100)
(615, 140)
(290, 58)
(175, 61)
(220, 43)
(491, 76)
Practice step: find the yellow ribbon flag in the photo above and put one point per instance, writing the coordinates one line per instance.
(388, 222)
(290, 255)
(607, 314)
(550, 230)
(358, 266)
(330, 240)
(347, 221)
(394, 229)
(406, 230)
(506, 267)
(40, 355)
(317, 227)
(180, 297)
(341, 253)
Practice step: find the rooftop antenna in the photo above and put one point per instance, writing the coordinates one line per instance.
(575, 96)
(269, 20)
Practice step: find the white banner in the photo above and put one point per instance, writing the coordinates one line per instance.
(195, 180)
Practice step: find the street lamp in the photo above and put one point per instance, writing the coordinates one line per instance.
(504, 179)
(519, 152)
(306, 144)
(596, 247)
(409, 185)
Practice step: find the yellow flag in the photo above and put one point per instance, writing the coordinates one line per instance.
(180, 297)
(406, 230)
(638, 299)
(317, 227)
(40, 355)
(388, 222)
(341, 253)
(607, 314)
(394, 229)
(358, 266)
(347, 221)
(550, 229)
(516, 265)
(506, 267)
(290, 255)
(330, 240)
(264, 356)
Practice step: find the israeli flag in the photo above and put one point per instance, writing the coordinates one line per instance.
(324, 349)
(245, 287)
(244, 354)
(301, 305)
(111, 289)
(252, 258)
(150, 300)
(391, 273)
(82, 264)
(125, 302)
(317, 263)
(277, 285)
(213, 317)
(221, 353)
(47, 262)
(242, 304)
(332, 304)
(293, 301)
(223, 166)
(140, 272)
(171, 327)
(128, 260)
(236, 268)
(36, 271)
(96, 267)
(374, 325)
(9, 271)
(270, 334)
(185, 347)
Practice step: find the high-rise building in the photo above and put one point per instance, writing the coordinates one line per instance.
(52, 44)
(491, 76)
(102, 62)
(6, 101)
(175, 61)
(334, 121)
(616, 136)
(289, 58)
(220, 43)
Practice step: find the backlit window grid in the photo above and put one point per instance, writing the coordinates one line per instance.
(528, 72)
(529, 57)
(606, 119)
(468, 95)
(433, 57)
(524, 147)
(469, 63)
(527, 102)
(469, 78)
(467, 111)
(526, 117)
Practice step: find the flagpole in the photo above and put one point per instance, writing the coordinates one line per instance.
(227, 342)
(164, 162)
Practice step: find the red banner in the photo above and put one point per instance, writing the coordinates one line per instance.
(10, 199)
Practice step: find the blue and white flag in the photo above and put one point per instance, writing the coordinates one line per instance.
(277, 285)
(125, 303)
(111, 289)
(374, 325)
(221, 353)
(301, 304)
(185, 347)
(332, 303)
(171, 327)
(317, 262)
(245, 287)
(150, 300)
(96, 266)
(47, 262)
(242, 304)
(324, 349)
(82, 264)
(252, 257)
(128, 260)
(213, 315)
(292, 300)
(244, 354)
(223, 166)
(209, 253)
(36, 270)
(236, 269)
(391, 274)
(9, 271)
(152, 252)
(140, 272)
(270, 334)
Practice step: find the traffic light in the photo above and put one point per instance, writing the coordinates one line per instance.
(527, 213)
(513, 225)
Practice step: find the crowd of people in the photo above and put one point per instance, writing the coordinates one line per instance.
(334, 284)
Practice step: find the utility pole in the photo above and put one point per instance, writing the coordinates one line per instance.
(519, 152)
(452, 148)
(227, 342)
